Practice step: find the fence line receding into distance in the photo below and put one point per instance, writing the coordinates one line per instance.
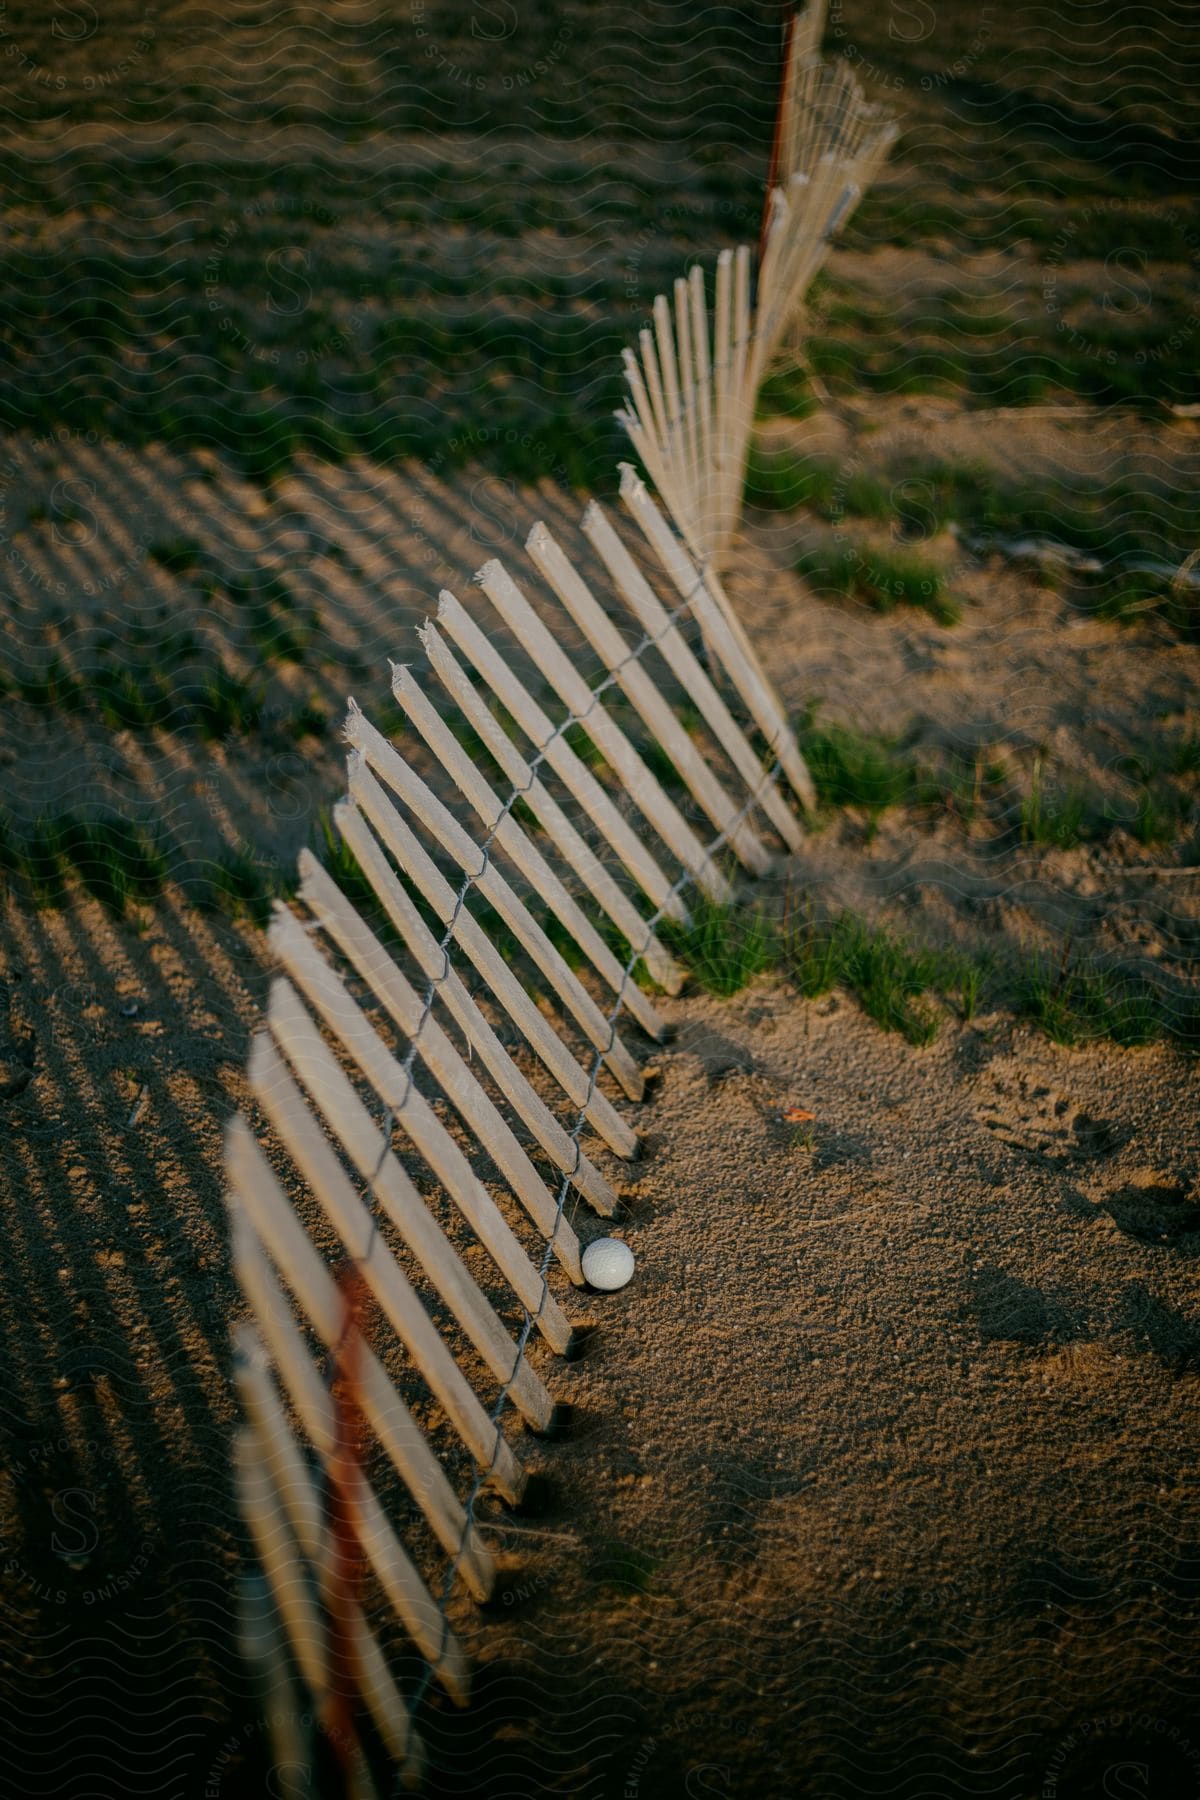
(433, 1114)
(694, 382)
(435, 1127)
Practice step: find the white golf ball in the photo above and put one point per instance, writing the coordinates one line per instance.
(607, 1264)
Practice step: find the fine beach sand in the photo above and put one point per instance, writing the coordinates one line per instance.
(880, 1476)
(880, 1469)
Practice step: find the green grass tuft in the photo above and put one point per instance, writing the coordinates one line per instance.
(589, 753)
(240, 887)
(883, 579)
(134, 699)
(111, 857)
(887, 976)
(1051, 817)
(224, 703)
(850, 768)
(1183, 757)
(341, 862)
(1076, 1004)
(725, 947)
(779, 480)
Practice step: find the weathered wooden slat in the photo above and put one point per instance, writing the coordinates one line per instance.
(346, 1114)
(277, 1552)
(548, 558)
(415, 862)
(556, 753)
(672, 646)
(482, 1040)
(570, 844)
(737, 657)
(692, 428)
(508, 835)
(284, 1106)
(254, 1181)
(393, 1424)
(363, 950)
(441, 824)
(641, 784)
(293, 1481)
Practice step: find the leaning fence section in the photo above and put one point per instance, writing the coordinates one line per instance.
(694, 380)
(446, 1056)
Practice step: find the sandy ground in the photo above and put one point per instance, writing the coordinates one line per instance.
(881, 1479)
(879, 1476)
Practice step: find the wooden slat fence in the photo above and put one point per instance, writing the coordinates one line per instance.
(427, 1115)
(695, 378)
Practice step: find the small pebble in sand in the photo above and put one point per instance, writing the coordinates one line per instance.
(607, 1264)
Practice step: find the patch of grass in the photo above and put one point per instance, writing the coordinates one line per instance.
(810, 953)
(113, 858)
(1163, 803)
(887, 976)
(1051, 816)
(563, 941)
(271, 617)
(618, 943)
(341, 862)
(224, 703)
(29, 859)
(963, 783)
(725, 947)
(938, 344)
(1183, 757)
(239, 886)
(788, 391)
(1156, 816)
(883, 579)
(135, 699)
(1074, 1003)
(895, 981)
(577, 739)
(970, 987)
(661, 766)
(1122, 524)
(782, 482)
(852, 768)
(135, 695)
(779, 480)
(1134, 1015)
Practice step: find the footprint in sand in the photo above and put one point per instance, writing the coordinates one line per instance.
(1030, 1115)
(1153, 1208)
